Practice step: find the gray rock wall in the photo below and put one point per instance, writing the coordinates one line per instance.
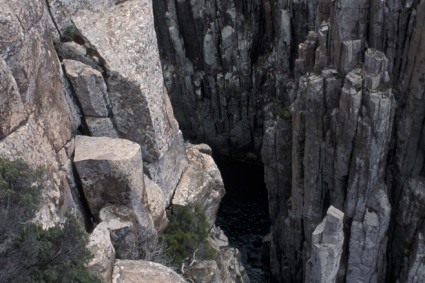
(223, 61)
(329, 95)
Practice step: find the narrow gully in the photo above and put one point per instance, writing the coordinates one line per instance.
(244, 214)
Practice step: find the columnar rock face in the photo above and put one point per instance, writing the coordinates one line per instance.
(327, 243)
(223, 61)
(332, 93)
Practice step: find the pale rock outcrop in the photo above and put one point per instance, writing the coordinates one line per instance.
(139, 102)
(63, 10)
(327, 247)
(201, 183)
(131, 271)
(28, 51)
(156, 204)
(103, 253)
(111, 172)
(12, 112)
(31, 143)
(37, 118)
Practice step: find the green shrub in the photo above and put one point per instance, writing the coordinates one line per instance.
(186, 233)
(285, 114)
(20, 188)
(57, 254)
(28, 253)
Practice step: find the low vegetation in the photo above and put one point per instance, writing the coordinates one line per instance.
(186, 236)
(29, 253)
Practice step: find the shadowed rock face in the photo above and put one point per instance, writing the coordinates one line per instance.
(331, 93)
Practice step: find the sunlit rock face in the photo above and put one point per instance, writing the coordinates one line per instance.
(201, 184)
(143, 272)
(37, 118)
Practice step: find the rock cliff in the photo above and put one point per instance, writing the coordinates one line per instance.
(329, 95)
(82, 95)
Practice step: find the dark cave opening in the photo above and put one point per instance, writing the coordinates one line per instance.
(244, 213)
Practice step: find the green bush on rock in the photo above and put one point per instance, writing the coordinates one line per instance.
(20, 188)
(186, 235)
(29, 253)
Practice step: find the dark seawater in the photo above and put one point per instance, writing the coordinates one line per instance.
(243, 214)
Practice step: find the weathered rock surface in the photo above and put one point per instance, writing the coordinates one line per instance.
(130, 271)
(101, 127)
(12, 111)
(230, 265)
(327, 243)
(228, 259)
(111, 172)
(330, 93)
(37, 118)
(103, 253)
(201, 183)
(126, 233)
(89, 87)
(156, 204)
(139, 102)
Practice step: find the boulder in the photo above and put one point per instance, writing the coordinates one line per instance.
(201, 183)
(140, 271)
(111, 172)
(104, 253)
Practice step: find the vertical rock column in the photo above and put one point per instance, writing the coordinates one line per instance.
(327, 247)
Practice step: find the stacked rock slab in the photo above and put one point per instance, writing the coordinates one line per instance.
(91, 91)
(140, 108)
